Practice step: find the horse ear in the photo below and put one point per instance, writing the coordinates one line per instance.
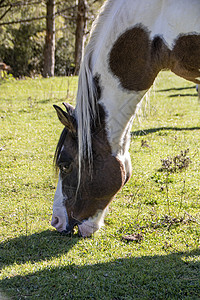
(69, 108)
(67, 118)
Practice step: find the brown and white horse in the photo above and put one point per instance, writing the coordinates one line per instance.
(4, 68)
(131, 41)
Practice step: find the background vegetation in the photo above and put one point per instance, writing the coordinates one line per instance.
(23, 30)
(149, 247)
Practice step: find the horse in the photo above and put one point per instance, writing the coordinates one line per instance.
(4, 68)
(131, 42)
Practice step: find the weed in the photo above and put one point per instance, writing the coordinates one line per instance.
(177, 163)
(144, 144)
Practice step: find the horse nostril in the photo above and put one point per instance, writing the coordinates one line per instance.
(58, 223)
(54, 221)
(59, 218)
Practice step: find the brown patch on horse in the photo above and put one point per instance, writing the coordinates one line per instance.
(185, 57)
(108, 175)
(136, 60)
(96, 194)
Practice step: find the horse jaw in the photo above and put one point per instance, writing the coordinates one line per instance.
(88, 227)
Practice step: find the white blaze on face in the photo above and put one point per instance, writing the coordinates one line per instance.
(88, 227)
(59, 217)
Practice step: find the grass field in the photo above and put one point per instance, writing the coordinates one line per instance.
(159, 208)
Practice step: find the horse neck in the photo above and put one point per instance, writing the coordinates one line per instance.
(120, 108)
(119, 105)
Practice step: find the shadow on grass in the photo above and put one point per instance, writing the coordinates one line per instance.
(180, 94)
(171, 276)
(178, 89)
(34, 248)
(153, 130)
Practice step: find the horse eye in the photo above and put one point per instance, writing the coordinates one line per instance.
(65, 168)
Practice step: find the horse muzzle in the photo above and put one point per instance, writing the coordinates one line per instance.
(71, 225)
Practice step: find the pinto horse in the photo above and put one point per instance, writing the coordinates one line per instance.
(130, 43)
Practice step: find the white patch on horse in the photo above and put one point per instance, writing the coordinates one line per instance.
(88, 227)
(59, 217)
(119, 111)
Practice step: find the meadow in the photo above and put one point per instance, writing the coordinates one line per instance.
(149, 247)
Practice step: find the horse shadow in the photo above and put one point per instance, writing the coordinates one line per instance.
(36, 247)
(174, 275)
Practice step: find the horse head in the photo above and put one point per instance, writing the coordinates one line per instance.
(84, 192)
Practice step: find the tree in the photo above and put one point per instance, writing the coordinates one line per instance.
(80, 32)
(30, 29)
(49, 51)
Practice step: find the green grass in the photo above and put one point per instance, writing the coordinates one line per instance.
(160, 206)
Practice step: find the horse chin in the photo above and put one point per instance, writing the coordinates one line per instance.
(87, 228)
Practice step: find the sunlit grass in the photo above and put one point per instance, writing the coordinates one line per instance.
(161, 206)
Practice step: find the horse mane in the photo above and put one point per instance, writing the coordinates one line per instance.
(86, 107)
(87, 94)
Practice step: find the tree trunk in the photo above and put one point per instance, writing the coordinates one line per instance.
(49, 51)
(80, 32)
